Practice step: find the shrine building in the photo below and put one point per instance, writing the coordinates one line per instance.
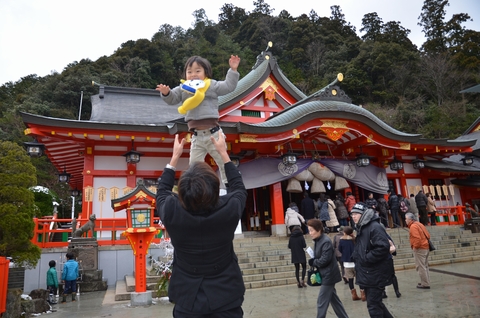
(284, 142)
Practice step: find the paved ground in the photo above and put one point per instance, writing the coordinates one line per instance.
(455, 293)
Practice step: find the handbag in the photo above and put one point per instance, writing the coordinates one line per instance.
(431, 247)
(313, 277)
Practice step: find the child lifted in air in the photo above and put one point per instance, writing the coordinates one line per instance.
(199, 96)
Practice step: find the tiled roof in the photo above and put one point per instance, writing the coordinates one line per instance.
(131, 106)
(330, 109)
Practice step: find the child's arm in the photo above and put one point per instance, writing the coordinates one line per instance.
(164, 89)
(234, 61)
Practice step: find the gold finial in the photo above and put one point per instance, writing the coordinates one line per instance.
(269, 45)
(340, 77)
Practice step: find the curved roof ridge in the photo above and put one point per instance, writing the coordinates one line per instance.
(287, 81)
(305, 109)
(264, 61)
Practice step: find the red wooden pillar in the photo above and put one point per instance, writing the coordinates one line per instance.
(403, 186)
(88, 174)
(276, 200)
(460, 215)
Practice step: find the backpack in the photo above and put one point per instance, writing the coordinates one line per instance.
(403, 207)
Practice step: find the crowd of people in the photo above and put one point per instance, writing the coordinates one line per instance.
(362, 252)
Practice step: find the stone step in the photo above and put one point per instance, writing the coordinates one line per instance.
(151, 283)
(267, 269)
(121, 291)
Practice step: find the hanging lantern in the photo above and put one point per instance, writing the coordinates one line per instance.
(132, 156)
(64, 176)
(418, 164)
(34, 149)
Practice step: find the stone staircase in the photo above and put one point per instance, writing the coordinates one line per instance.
(265, 261)
(453, 244)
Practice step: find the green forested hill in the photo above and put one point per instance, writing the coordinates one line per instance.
(412, 89)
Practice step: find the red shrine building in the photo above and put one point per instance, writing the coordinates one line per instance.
(284, 141)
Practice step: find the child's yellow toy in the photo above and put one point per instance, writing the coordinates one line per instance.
(198, 89)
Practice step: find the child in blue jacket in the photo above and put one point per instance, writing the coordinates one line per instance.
(69, 277)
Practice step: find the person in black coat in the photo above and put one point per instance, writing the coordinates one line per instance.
(394, 208)
(372, 258)
(206, 280)
(382, 208)
(371, 202)
(324, 259)
(422, 202)
(296, 244)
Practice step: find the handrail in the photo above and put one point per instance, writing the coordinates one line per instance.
(107, 231)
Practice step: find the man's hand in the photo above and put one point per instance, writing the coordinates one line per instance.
(221, 146)
(310, 262)
(164, 89)
(233, 62)
(177, 150)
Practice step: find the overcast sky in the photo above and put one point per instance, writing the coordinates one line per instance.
(40, 37)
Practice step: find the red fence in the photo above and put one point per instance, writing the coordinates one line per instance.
(108, 230)
(452, 215)
(48, 233)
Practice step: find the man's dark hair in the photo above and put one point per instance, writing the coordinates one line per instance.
(198, 188)
(316, 224)
(200, 61)
(52, 263)
(69, 255)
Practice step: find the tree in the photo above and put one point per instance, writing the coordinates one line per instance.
(262, 8)
(43, 201)
(431, 20)
(17, 206)
(231, 18)
(338, 19)
(372, 25)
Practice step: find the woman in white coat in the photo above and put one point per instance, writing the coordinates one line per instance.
(293, 218)
(333, 222)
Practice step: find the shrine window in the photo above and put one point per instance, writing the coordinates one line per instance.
(251, 113)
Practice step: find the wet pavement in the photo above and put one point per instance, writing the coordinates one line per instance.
(455, 292)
